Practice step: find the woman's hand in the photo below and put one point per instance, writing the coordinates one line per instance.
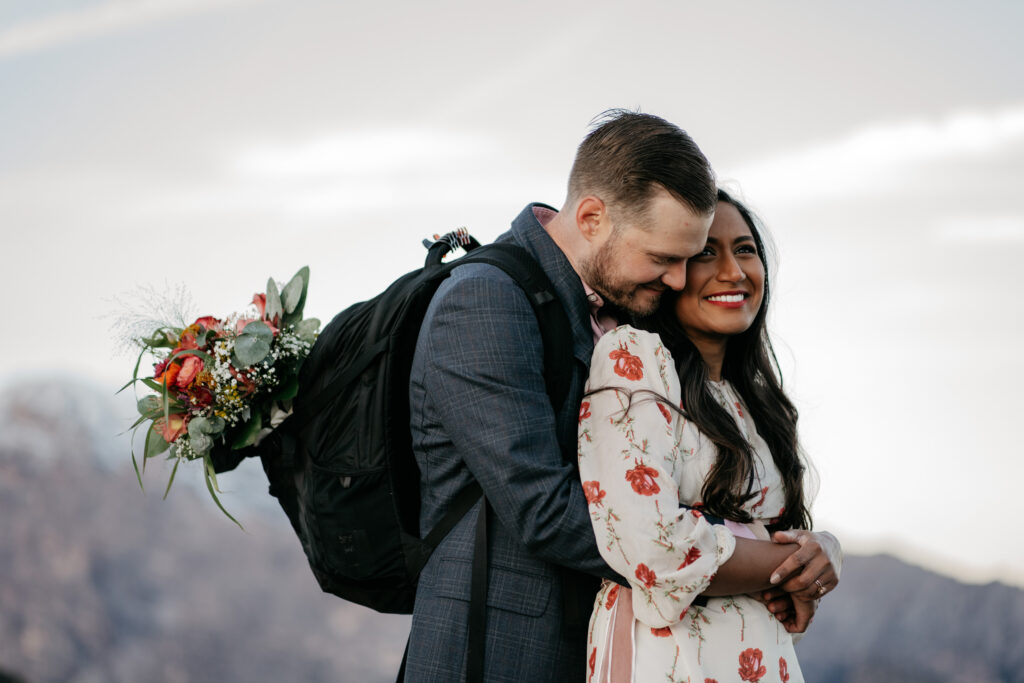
(811, 571)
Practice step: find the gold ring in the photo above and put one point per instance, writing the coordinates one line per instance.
(821, 588)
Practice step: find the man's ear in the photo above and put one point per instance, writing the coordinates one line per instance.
(592, 218)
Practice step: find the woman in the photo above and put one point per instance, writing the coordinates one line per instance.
(689, 459)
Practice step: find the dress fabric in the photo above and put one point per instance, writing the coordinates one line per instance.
(639, 466)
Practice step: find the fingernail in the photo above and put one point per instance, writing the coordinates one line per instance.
(775, 579)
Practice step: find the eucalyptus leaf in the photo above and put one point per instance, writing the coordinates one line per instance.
(155, 444)
(253, 344)
(246, 436)
(150, 406)
(273, 301)
(307, 329)
(295, 291)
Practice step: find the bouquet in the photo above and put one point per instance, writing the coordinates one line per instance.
(223, 383)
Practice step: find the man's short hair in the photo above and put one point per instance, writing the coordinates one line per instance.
(628, 155)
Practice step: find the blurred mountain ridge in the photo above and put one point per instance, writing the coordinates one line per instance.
(101, 582)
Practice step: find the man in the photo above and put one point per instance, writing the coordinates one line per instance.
(640, 201)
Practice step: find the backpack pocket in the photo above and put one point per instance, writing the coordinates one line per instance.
(350, 525)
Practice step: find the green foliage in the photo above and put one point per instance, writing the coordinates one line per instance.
(252, 345)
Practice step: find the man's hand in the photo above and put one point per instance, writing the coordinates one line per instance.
(811, 571)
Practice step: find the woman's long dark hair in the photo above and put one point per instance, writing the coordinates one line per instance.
(753, 370)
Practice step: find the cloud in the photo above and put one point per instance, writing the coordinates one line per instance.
(980, 230)
(97, 20)
(877, 158)
(358, 154)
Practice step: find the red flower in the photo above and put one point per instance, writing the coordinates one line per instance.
(592, 490)
(646, 575)
(751, 668)
(663, 632)
(691, 556)
(189, 369)
(612, 596)
(626, 364)
(261, 303)
(199, 397)
(584, 410)
(209, 323)
(764, 493)
(642, 477)
(664, 413)
(710, 680)
(783, 670)
(592, 662)
(739, 408)
(697, 514)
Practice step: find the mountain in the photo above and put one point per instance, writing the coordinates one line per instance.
(100, 582)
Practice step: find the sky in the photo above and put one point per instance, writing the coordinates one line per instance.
(154, 147)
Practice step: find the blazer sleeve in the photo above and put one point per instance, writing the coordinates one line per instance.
(629, 456)
(484, 369)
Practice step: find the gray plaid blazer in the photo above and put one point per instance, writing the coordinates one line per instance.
(479, 411)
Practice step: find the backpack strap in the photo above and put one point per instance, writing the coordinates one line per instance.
(555, 330)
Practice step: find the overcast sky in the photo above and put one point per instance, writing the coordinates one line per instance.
(154, 143)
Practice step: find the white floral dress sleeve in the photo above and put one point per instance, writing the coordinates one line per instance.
(629, 458)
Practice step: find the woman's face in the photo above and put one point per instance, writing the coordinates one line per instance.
(724, 283)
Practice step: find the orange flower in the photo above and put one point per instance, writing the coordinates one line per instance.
(663, 632)
(167, 373)
(612, 596)
(692, 555)
(646, 575)
(171, 429)
(642, 477)
(584, 410)
(751, 669)
(626, 364)
(592, 490)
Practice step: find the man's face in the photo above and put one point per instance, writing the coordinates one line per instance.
(643, 257)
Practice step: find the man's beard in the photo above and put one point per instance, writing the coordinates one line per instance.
(600, 273)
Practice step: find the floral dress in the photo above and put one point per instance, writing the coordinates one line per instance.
(643, 471)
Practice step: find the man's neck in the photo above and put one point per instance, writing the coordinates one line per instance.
(565, 236)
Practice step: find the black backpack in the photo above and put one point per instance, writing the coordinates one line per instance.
(342, 465)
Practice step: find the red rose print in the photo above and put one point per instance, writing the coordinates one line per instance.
(682, 614)
(626, 364)
(783, 670)
(663, 632)
(691, 556)
(739, 408)
(584, 410)
(592, 662)
(664, 413)
(697, 514)
(646, 575)
(751, 668)
(710, 680)
(612, 596)
(592, 490)
(764, 493)
(642, 477)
